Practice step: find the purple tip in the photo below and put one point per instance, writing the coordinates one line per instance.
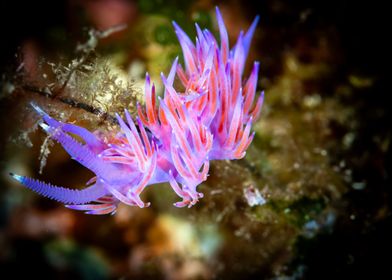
(45, 127)
(249, 34)
(176, 26)
(38, 109)
(17, 177)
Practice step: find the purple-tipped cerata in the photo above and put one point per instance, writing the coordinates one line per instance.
(172, 141)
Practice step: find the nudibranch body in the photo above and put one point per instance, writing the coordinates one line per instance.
(172, 141)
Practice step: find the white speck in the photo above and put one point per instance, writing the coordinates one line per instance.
(359, 186)
(215, 192)
(312, 101)
(348, 139)
(20, 67)
(253, 196)
(311, 228)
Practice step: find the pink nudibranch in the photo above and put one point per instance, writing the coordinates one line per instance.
(172, 142)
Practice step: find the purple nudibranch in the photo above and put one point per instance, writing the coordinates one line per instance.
(172, 142)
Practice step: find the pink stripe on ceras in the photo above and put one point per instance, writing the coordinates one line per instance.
(201, 103)
(105, 199)
(149, 92)
(237, 66)
(175, 185)
(177, 130)
(205, 169)
(103, 211)
(174, 100)
(250, 88)
(224, 99)
(213, 92)
(235, 122)
(244, 140)
(190, 163)
(177, 162)
(150, 106)
(118, 150)
(192, 125)
(174, 113)
(136, 135)
(199, 54)
(132, 142)
(162, 117)
(256, 111)
(208, 141)
(119, 159)
(148, 174)
(182, 76)
(120, 196)
(142, 116)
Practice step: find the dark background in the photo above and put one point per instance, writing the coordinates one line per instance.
(357, 251)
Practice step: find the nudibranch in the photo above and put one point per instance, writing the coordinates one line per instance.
(173, 138)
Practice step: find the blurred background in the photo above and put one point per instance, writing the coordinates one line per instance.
(312, 198)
